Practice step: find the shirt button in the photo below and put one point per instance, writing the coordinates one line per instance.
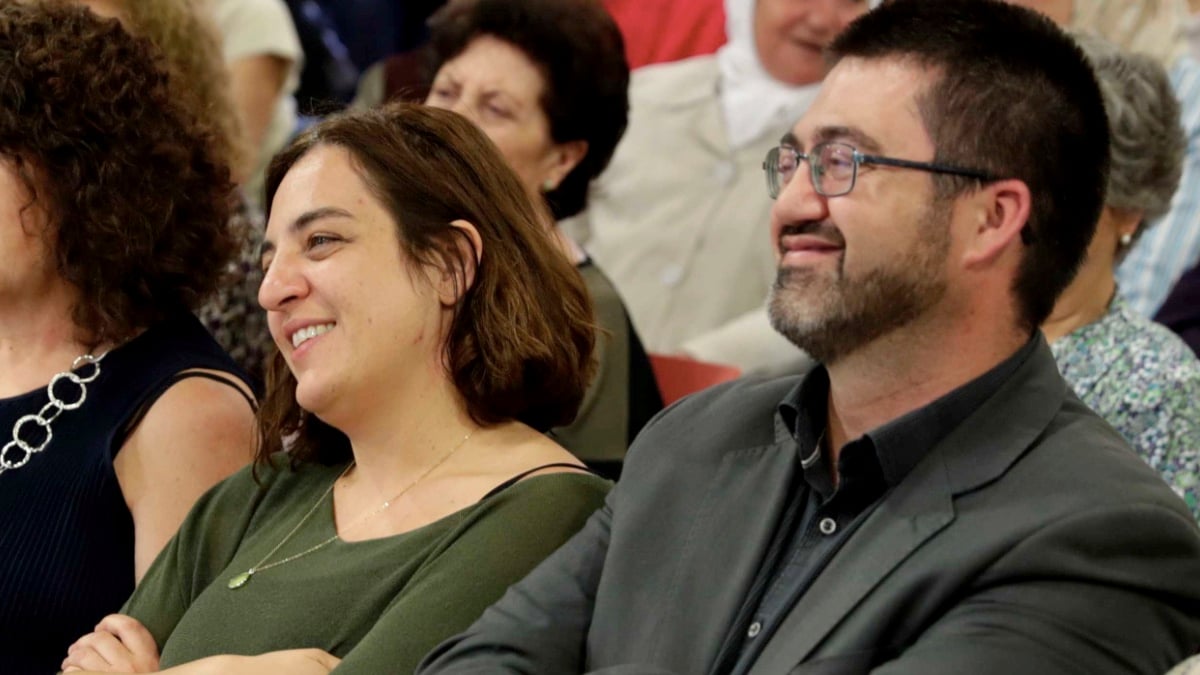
(755, 629)
(828, 526)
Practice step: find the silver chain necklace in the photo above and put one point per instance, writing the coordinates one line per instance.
(17, 452)
(237, 581)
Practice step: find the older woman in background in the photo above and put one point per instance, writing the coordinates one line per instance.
(1135, 373)
(117, 408)
(417, 370)
(547, 81)
(1155, 28)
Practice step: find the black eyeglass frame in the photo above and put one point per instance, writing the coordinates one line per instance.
(771, 164)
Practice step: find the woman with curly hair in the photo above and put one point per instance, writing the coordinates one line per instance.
(417, 370)
(117, 409)
(183, 31)
(255, 41)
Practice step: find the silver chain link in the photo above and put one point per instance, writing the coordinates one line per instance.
(48, 414)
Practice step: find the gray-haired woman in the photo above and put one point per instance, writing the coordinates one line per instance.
(1135, 373)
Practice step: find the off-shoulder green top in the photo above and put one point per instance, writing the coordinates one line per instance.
(380, 604)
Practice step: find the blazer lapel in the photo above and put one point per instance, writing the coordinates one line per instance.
(730, 534)
(978, 451)
(905, 520)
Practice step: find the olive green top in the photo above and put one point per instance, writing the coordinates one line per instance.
(379, 604)
(623, 394)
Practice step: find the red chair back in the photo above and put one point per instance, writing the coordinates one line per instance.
(678, 376)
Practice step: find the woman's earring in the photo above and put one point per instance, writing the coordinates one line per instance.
(548, 185)
(1127, 239)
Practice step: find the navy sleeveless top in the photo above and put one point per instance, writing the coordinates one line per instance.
(66, 535)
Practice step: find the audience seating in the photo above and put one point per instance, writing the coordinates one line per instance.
(679, 376)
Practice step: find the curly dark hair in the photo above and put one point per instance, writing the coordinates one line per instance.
(580, 52)
(136, 196)
(521, 341)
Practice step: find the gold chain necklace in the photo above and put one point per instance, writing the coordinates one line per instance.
(240, 580)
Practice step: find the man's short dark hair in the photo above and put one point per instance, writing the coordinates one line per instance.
(1014, 97)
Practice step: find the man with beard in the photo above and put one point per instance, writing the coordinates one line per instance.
(933, 498)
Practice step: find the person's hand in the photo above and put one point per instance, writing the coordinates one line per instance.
(291, 662)
(120, 644)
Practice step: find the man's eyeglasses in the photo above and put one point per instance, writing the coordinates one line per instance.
(834, 167)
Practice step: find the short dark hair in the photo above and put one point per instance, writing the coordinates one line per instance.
(520, 344)
(1014, 97)
(578, 49)
(136, 195)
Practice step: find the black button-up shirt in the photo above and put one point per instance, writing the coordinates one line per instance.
(821, 515)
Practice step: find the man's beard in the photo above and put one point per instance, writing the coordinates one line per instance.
(830, 316)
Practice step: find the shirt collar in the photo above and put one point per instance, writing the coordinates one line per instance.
(903, 442)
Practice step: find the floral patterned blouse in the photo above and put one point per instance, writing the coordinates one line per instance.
(233, 314)
(1146, 382)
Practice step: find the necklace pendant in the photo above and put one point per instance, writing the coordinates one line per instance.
(239, 580)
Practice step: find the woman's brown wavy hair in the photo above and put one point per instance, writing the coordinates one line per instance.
(520, 344)
(137, 199)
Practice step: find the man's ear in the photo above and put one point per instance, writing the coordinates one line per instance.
(1000, 211)
(459, 266)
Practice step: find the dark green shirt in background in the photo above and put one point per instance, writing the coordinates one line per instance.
(379, 604)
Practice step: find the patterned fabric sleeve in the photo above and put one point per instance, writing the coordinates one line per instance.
(233, 314)
(1169, 436)
(1145, 382)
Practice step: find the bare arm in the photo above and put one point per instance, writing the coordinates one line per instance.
(256, 83)
(289, 662)
(197, 433)
(122, 645)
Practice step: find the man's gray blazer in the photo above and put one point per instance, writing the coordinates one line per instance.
(1030, 540)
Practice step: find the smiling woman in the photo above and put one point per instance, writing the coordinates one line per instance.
(417, 368)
